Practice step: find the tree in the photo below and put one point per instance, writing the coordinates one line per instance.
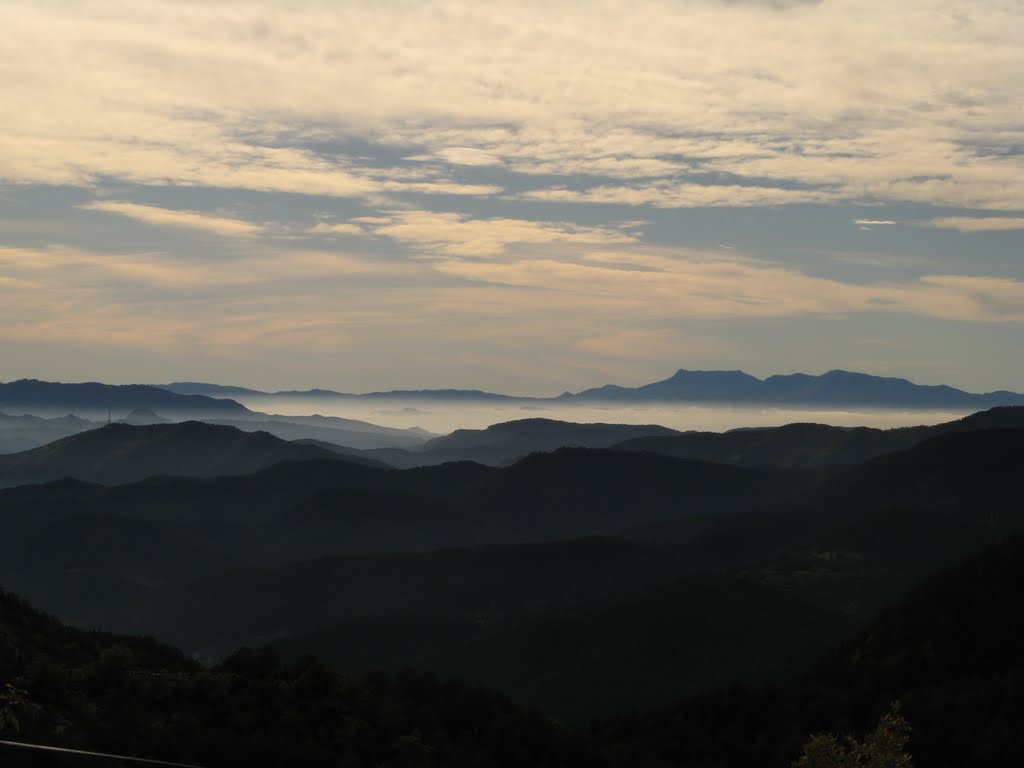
(883, 748)
(10, 698)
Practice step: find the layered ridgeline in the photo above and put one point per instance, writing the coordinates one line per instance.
(33, 413)
(792, 445)
(492, 572)
(220, 390)
(811, 445)
(834, 388)
(949, 653)
(509, 441)
(23, 431)
(124, 453)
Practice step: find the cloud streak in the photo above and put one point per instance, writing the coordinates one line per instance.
(659, 286)
(149, 214)
(459, 235)
(968, 224)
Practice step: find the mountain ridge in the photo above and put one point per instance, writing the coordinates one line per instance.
(836, 387)
(103, 397)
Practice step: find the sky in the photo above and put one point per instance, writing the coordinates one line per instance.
(523, 197)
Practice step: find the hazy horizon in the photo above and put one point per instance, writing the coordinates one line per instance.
(442, 417)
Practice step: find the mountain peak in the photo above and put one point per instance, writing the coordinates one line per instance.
(837, 387)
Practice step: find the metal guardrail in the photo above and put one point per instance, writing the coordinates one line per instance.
(101, 755)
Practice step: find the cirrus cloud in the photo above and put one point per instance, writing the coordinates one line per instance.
(868, 102)
(150, 214)
(978, 223)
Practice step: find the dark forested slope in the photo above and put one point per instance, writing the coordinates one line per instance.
(950, 653)
(131, 696)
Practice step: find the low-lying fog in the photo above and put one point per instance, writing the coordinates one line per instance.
(443, 416)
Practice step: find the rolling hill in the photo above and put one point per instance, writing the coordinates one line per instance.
(123, 453)
(811, 445)
(510, 441)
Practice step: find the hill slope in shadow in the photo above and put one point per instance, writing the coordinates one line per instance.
(123, 453)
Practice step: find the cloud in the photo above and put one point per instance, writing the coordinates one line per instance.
(685, 195)
(873, 222)
(968, 224)
(227, 306)
(653, 344)
(467, 156)
(458, 235)
(325, 228)
(174, 218)
(674, 284)
(839, 101)
(567, 312)
(88, 272)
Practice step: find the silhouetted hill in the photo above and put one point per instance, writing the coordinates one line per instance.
(142, 417)
(208, 390)
(682, 385)
(509, 441)
(956, 471)
(349, 433)
(811, 445)
(793, 445)
(352, 454)
(123, 453)
(31, 393)
(835, 388)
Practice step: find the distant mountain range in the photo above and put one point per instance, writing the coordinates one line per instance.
(92, 396)
(218, 390)
(835, 388)
(21, 432)
(33, 413)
